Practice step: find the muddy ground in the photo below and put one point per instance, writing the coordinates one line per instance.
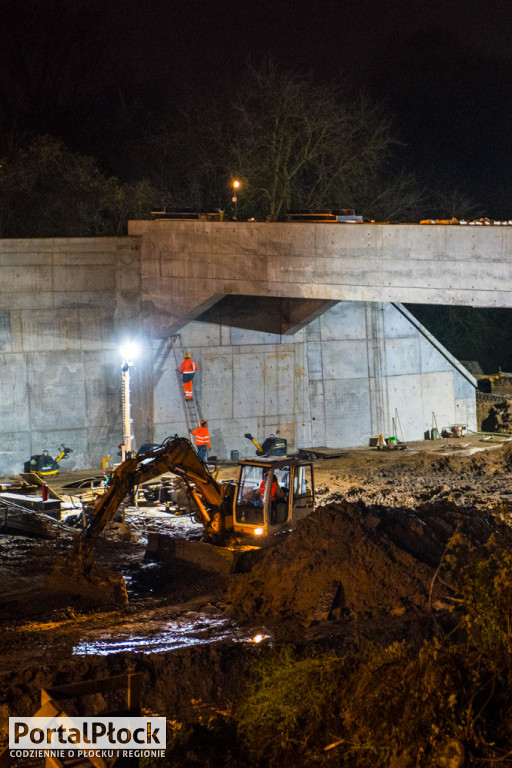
(369, 565)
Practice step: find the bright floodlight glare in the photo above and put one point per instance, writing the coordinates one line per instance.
(236, 184)
(129, 351)
(258, 531)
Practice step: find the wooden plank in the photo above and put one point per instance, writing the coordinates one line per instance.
(91, 686)
(49, 708)
(133, 690)
(53, 762)
(98, 762)
(34, 478)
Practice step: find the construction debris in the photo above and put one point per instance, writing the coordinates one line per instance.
(21, 520)
(484, 221)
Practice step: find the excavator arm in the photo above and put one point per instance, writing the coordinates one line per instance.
(175, 455)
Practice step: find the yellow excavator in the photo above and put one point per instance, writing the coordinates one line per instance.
(270, 495)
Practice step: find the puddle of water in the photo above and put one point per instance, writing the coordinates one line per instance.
(158, 637)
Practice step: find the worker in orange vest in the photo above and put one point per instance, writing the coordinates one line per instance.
(188, 370)
(202, 438)
(275, 489)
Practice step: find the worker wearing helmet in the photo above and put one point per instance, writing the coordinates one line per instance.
(188, 370)
(202, 438)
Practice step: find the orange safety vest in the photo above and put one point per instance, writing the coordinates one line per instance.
(202, 436)
(188, 366)
(273, 489)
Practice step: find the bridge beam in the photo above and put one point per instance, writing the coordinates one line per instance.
(188, 266)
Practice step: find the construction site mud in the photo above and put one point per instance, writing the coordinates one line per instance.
(376, 564)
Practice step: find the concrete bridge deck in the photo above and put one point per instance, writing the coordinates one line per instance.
(187, 266)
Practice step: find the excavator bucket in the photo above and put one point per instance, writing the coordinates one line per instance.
(203, 556)
(101, 587)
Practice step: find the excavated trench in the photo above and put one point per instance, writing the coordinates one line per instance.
(369, 565)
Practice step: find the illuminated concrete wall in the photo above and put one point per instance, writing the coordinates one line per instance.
(64, 307)
(319, 371)
(339, 381)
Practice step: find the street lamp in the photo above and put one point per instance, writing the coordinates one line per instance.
(234, 199)
(128, 353)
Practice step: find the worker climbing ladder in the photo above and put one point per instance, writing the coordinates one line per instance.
(191, 406)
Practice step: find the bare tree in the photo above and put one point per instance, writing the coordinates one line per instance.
(294, 144)
(450, 202)
(303, 145)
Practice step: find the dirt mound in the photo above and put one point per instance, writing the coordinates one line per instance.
(483, 463)
(352, 558)
(443, 456)
(499, 418)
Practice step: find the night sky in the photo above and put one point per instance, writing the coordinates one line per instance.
(442, 69)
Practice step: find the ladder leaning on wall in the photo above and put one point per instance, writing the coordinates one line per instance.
(191, 407)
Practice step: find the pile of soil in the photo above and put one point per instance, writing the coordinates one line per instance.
(369, 565)
(499, 418)
(350, 558)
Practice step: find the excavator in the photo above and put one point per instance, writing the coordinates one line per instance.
(270, 495)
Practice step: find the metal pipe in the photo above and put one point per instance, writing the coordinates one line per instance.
(126, 448)
(494, 434)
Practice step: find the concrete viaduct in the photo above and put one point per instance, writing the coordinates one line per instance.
(187, 266)
(296, 327)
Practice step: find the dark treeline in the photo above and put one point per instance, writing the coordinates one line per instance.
(292, 143)
(96, 96)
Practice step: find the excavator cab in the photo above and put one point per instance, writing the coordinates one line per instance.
(272, 494)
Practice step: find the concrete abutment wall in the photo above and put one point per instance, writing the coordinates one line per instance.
(65, 305)
(318, 369)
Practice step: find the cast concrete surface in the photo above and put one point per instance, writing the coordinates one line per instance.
(295, 327)
(189, 265)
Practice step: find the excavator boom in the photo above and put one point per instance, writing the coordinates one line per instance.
(175, 455)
